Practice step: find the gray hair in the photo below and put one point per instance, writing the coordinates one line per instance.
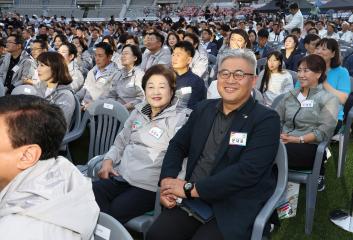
(246, 54)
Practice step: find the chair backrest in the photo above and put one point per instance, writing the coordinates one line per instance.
(76, 116)
(106, 119)
(281, 161)
(351, 80)
(261, 64)
(2, 90)
(24, 89)
(294, 76)
(277, 100)
(109, 228)
(212, 59)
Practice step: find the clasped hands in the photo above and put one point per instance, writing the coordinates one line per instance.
(171, 189)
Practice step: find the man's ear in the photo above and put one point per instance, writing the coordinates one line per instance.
(29, 156)
(254, 81)
(189, 60)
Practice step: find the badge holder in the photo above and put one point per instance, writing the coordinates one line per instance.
(343, 218)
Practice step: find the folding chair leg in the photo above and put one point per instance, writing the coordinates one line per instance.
(311, 193)
(340, 163)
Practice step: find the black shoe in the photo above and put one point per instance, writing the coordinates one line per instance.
(321, 183)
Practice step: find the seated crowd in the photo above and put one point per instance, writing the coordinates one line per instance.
(218, 153)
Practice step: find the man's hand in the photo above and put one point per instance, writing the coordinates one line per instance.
(107, 169)
(173, 186)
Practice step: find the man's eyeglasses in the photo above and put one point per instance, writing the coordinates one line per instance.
(11, 42)
(237, 74)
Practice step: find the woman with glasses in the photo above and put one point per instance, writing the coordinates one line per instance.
(274, 80)
(308, 115)
(126, 85)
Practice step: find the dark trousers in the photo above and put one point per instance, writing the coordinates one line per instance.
(302, 156)
(175, 224)
(121, 200)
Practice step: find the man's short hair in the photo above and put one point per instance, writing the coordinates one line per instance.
(263, 33)
(158, 36)
(310, 38)
(293, 6)
(33, 120)
(296, 29)
(208, 31)
(246, 54)
(187, 47)
(42, 44)
(18, 39)
(225, 28)
(194, 38)
(106, 47)
(309, 22)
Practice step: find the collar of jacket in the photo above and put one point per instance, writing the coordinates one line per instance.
(126, 74)
(107, 70)
(42, 87)
(313, 91)
(170, 110)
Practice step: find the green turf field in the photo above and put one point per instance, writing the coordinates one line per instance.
(337, 194)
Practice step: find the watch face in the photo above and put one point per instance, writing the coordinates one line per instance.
(188, 186)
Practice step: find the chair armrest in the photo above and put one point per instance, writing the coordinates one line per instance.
(320, 151)
(75, 134)
(93, 164)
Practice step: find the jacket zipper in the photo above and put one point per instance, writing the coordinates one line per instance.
(295, 115)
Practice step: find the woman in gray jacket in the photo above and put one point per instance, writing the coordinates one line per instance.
(126, 85)
(55, 82)
(131, 168)
(308, 115)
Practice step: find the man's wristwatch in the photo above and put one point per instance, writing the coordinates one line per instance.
(301, 139)
(187, 189)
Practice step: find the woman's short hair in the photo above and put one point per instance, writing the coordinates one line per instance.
(58, 67)
(134, 38)
(332, 44)
(160, 69)
(295, 39)
(316, 64)
(242, 33)
(136, 52)
(72, 49)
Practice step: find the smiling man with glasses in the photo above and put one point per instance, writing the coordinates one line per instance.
(230, 144)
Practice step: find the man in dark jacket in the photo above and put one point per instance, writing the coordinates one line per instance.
(230, 144)
(190, 88)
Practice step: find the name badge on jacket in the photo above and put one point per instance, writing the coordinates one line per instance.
(156, 132)
(130, 84)
(307, 104)
(186, 90)
(237, 138)
(15, 68)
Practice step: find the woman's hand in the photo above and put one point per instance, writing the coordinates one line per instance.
(107, 169)
(289, 139)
